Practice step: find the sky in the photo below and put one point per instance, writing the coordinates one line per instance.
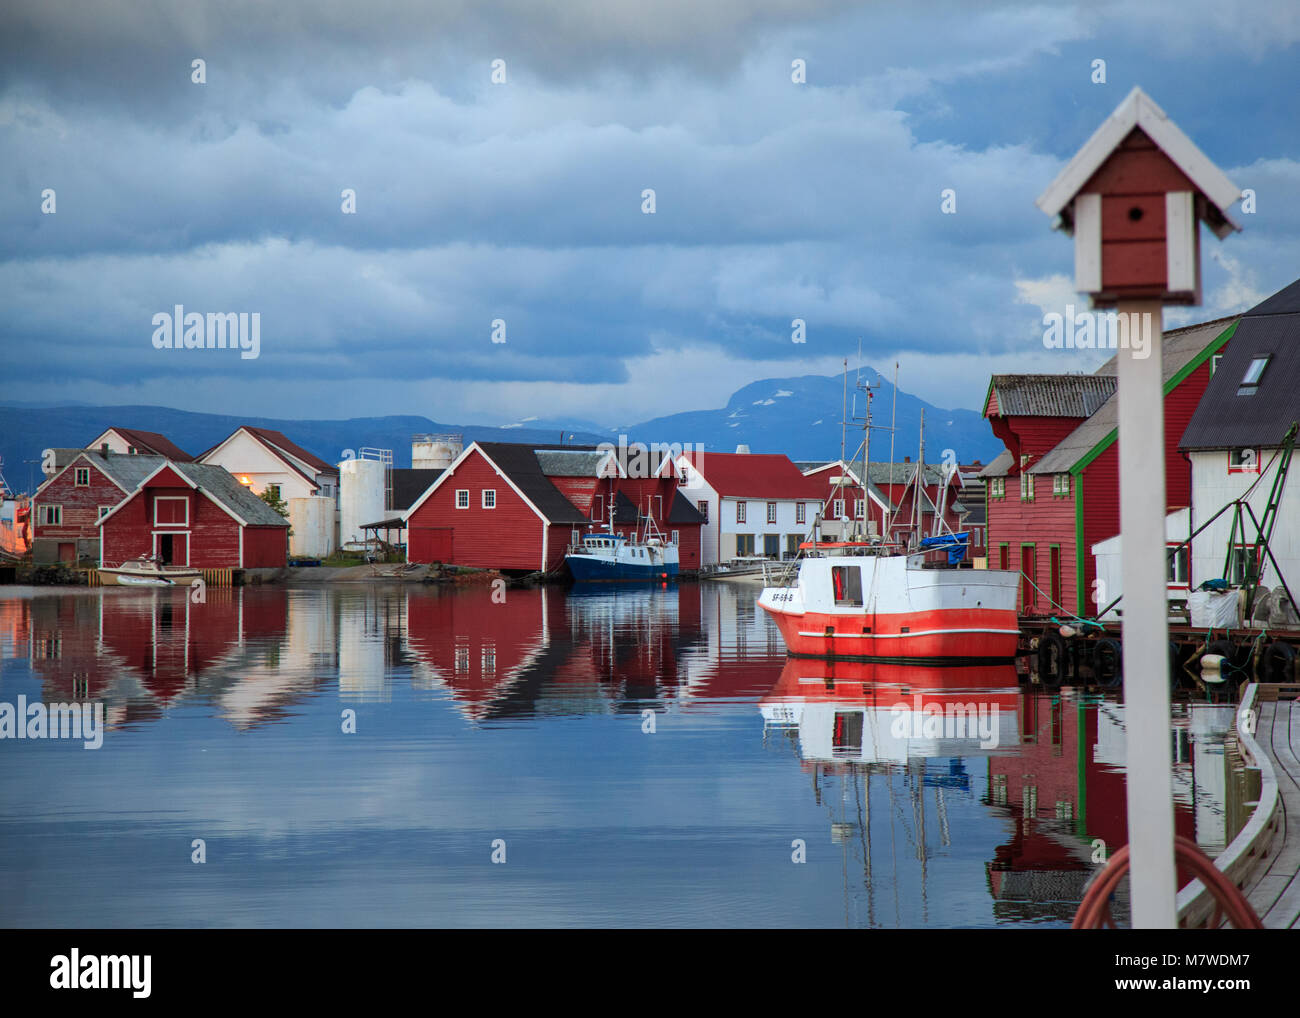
(521, 200)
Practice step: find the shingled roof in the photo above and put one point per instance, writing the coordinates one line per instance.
(1049, 395)
(1230, 418)
(1181, 348)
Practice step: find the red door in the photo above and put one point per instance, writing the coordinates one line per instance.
(1028, 575)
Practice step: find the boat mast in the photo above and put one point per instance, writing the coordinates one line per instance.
(893, 421)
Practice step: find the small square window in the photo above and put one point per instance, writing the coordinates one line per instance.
(82, 476)
(489, 498)
(462, 498)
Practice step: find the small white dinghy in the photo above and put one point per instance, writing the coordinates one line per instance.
(148, 572)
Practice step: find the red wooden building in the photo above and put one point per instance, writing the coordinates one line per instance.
(193, 514)
(67, 508)
(519, 507)
(1054, 492)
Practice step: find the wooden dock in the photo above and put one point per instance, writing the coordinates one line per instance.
(1275, 892)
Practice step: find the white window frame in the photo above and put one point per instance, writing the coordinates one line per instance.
(676, 537)
(174, 533)
(171, 523)
(742, 511)
(703, 508)
(859, 508)
(492, 492)
(837, 509)
(801, 512)
(771, 512)
(44, 512)
(462, 498)
(77, 473)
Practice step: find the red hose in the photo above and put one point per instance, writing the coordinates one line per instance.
(1094, 910)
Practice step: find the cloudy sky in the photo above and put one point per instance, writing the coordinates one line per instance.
(522, 200)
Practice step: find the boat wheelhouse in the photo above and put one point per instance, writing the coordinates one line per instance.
(610, 556)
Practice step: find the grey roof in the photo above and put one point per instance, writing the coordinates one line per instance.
(569, 462)
(1226, 420)
(220, 484)
(854, 469)
(1001, 465)
(682, 511)
(1051, 395)
(1181, 347)
(128, 471)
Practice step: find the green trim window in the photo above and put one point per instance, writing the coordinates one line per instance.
(1026, 487)
(997, 487)
(1060, 485)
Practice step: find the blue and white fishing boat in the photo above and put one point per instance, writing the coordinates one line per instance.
(606, 555)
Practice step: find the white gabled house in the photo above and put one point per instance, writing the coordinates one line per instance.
(1234, 443)
(262, 457)
(753, 504)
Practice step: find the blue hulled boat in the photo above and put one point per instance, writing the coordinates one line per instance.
(609, 556)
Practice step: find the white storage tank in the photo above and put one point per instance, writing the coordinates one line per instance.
(361, 497)
(435, 452)
(312, 520)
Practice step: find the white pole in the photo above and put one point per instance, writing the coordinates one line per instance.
(1148, 775)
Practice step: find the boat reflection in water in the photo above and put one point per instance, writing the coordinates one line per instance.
(933, 749)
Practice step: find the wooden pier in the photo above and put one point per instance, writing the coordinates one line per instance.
(1274, 891)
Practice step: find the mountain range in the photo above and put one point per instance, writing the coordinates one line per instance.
(796, 416)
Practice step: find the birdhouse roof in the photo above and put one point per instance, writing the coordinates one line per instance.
(1139, 110)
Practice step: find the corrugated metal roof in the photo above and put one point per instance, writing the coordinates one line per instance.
(1051, 395)
(1181, 347)
(1226, 420)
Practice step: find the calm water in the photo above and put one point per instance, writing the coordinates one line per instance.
(642, 757)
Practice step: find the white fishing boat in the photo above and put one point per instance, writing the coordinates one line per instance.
(148, 572)
(903, 597)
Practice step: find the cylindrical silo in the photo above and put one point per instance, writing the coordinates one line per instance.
(435, 452)
(312, 520)
(361, 497)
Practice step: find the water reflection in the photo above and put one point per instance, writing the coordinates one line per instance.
(925, 797)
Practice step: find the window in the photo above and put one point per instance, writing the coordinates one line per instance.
(171, 510)
(1026, 487)
(1250, 380)
(771, 512)
(49, 515)
(801, 512)
(859, 508)
(999, 489)
(1178, 567)
(772, 545)
(744, 544)
(489, 498)
(104, 510)
(740, 511)
(792, 542)
(837, 509)
(1060, 485)
(676, 537)
(703, 507)
(273, 490)
(462, 498)
(82, 478)
(1243, 461)
(1242, 565)
(847, 582)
